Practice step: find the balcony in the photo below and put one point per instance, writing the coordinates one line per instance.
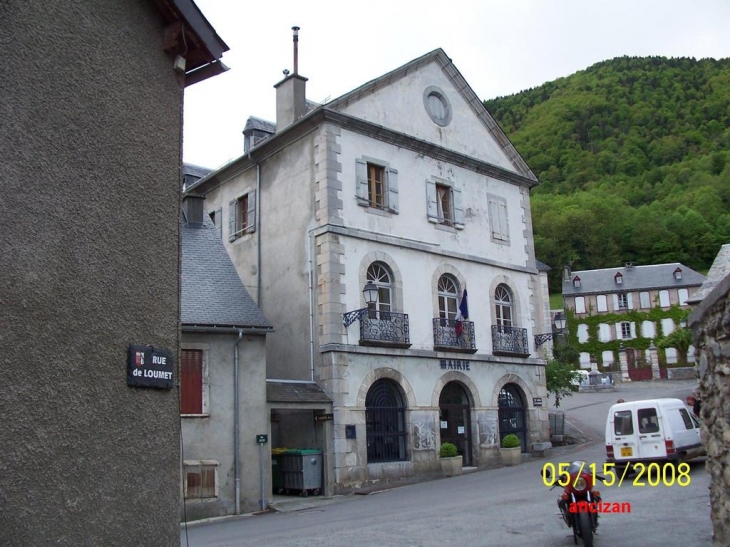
(509, 341)
(379, 328)
(446, 336)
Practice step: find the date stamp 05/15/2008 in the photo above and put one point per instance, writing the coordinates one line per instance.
(652, 474)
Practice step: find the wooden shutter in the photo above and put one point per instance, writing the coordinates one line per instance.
(251, 212)
(362, 189)
(632, 326)
(431, 204)
(615, 302)
(503, 221)
(629, 301)
(191, 382)
(619, 335)
(494, 223)
(392, 186)
(219, 222)
(232, 212)
(458, 209)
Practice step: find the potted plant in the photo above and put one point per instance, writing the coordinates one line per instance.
(451, 461)
(511, 452)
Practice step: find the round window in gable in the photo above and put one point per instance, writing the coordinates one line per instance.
(437, 106)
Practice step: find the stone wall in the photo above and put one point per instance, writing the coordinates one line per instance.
(711, 329)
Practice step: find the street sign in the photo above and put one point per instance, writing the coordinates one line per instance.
(537, 401)
(150, 367)
(323, 417)
(261, 439)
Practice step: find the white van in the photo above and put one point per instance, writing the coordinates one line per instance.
(651, 430)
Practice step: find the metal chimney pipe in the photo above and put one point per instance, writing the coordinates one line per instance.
(296, 49)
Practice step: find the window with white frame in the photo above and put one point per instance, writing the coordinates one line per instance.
(683, 295)
(625, 330)
(443, 204)
(601, 303)
(498, 219)
(648, 329)
(604, 332)
(664, 299)
(193, 381)
(582, 333)
(622, 301)
(448, 296)
(503, 306)
(377, 185)
(200, 479)
(608, 358)
(668, 326)
(379, 274)
(580, 304)
(242, 215)
(644, 300)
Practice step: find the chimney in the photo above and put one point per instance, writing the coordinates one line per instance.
(566, 274)
(193, 210)
(629, 265)
(291, 100)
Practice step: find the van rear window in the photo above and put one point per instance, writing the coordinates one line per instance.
(622, 423)
(687, 420)
(648, 421)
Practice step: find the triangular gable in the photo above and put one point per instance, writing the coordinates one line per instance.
(397, 100)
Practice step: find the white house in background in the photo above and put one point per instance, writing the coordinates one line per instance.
(406, 186)
(634, 306)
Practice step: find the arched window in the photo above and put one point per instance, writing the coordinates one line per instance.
(512, 414)
(448, 294)
(503, 306)
(385, 423)
(379, 274)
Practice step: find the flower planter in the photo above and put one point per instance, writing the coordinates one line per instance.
(451, 466)
(511, 456)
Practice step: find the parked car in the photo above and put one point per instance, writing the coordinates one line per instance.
(651, 430)
(580, 378)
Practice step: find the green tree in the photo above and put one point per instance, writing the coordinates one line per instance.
(679, 339)
(558, 379)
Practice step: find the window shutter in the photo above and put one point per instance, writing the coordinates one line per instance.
(458, 209)
(232, 220)
(361, 190)
(431, 205)
(619, 334)
(251, 212)
(503, 221)
(629, 301)
(615, 302)
(633, 329)
(392, 186)
(493, 217)
(191, 382)
(219, 223)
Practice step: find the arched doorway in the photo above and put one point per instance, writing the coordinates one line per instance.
(455, 418)
(512, 414)
(385, 423)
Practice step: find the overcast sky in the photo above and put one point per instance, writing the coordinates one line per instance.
(501, 47)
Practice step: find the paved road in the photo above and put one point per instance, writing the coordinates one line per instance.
(500, 507)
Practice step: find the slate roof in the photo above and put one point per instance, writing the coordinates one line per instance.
(635, 278)
(720, 270)
(282, 391)
(212, 293)
(262, 125)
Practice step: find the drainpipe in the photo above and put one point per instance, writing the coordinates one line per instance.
(311, 308)
(236, 425)
(258, 232)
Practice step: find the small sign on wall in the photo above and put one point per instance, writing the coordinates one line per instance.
(537, 401)
(150, 367)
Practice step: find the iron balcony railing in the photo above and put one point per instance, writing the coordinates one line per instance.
(380, 328)
(453, 335)
(509, 341)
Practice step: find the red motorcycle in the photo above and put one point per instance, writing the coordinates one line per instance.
(579, 502)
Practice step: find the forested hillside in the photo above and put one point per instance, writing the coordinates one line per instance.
(633, 157)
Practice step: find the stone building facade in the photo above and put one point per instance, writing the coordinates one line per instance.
(406, 184)
(710, 323)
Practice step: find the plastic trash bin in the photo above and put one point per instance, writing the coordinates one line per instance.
(277, 479)
(302, 471)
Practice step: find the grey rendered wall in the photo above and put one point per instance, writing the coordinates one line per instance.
(211, 438)
(287, 215)
(89, 231)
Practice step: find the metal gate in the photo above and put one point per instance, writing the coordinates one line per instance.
(512, 414)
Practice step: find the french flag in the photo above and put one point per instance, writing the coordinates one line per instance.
(462, 316)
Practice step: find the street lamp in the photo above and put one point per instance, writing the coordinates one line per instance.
(370, 292)
(560, 321)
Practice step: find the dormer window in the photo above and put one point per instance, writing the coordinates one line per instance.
(618, 278)
(576, 282)
(678, 274)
